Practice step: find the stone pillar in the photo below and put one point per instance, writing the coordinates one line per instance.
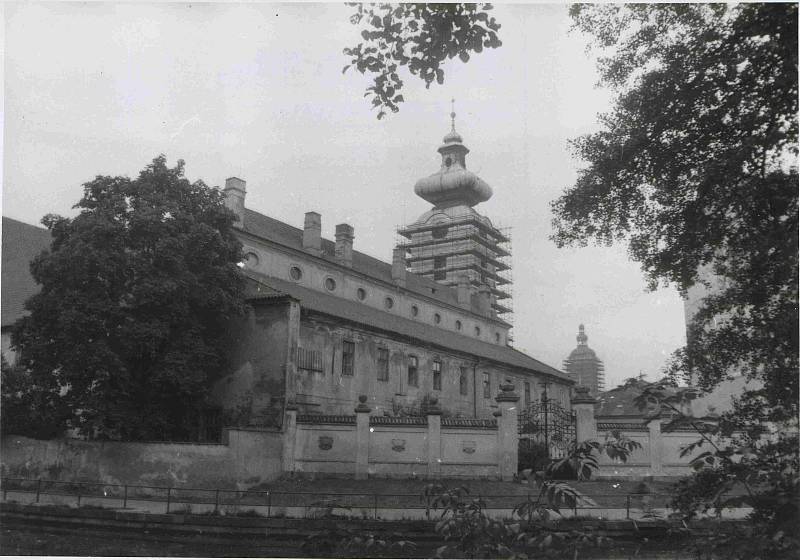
(656, 447)
(362, 437)
(583, 405)
(507, 432)
(434, 414)
(289, 437)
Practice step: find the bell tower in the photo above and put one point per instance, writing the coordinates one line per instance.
(454, 244)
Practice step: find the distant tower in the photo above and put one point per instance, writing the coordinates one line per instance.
(452, 243)
(584, 367)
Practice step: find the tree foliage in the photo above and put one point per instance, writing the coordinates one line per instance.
(128, 327)
(694, 168)
(28, 408)
(419, 37)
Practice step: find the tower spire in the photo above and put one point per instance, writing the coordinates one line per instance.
(452, 115)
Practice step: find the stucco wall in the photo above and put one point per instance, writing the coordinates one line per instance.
(330, 392)
(272, 261)
(252, 387)
(248, 458)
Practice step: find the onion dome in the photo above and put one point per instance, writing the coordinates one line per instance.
(453, 184)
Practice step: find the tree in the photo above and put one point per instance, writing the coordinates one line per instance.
(127, 330)
(695, 169)
(419, 37)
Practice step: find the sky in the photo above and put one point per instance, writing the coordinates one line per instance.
(256, 91)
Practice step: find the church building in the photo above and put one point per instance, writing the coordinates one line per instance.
(329, 323)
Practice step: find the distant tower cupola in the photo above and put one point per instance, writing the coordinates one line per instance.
(583, 365)
(452, 243)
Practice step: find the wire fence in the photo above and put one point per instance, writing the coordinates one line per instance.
(285, 503)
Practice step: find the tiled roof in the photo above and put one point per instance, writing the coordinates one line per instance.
(21, 243)
(265, 227)
(357, 312)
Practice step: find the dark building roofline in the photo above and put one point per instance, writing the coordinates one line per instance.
(359, 313)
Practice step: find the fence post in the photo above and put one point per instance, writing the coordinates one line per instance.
(269, 504)
(507, 431)
(375, 504)
(38, 489)
(125, 497)
(169, 497)
(216, 500)
(433, 416)
(628, 507)
(362, 437)
(5, 489)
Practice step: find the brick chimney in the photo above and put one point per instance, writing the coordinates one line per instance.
(234, 198)
(464, 292)
(399, 266)
(312, 233)
(344, 244)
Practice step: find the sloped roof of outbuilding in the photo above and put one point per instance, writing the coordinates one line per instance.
(365, 315)
(274, 230)
(21, 243)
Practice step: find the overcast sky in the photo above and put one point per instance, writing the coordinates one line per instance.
(256, 91)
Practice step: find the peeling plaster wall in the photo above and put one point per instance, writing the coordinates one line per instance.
(251, 390)
(330, 392)
(249, 457)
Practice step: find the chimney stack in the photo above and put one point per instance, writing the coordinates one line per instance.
(485, 298)
(344, 244)
(312, 233)
(399, 266)
(464, 292)
(234, 198)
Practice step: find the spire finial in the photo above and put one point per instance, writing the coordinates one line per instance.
(453, 115)
(581, 338)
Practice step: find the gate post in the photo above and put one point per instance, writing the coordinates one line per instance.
(585, 425)
(362, 437)
(434, 417)
(507, 431)
(289, 437)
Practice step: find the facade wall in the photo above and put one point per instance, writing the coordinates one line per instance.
(273, 261)
(252, 389)
(330, 392)
(248, 458)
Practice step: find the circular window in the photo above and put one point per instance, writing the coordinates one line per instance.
(295, 273)
(361, 294)
(439, 232)
(477, 331)
(497, 337)
(330, 284)
(251, 259)
(437, 318)
(414, 310)
(458, 325)
(388, 302)
(448, 162)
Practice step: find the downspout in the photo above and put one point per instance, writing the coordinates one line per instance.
(475, 390)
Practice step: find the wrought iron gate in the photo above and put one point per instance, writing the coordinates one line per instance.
(550, 424)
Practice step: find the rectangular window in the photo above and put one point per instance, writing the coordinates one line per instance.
(413, 377)
(348, 357)
(383, 364)
(527, 387)
(462, 381)
(487, 386)
(439, 262)
(437, 375)
(309, 360)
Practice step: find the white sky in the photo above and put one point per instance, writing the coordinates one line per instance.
(256, 91)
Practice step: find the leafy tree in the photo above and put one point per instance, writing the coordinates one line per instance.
(128, 327)
(693, 168)
(29, 408)
(419, 37)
